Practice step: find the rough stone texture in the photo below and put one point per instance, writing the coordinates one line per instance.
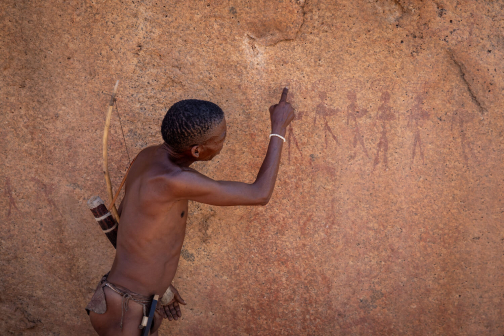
(388, 213)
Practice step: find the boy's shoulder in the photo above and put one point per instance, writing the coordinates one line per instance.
(168, 174)
(163, 179)
(179, 175)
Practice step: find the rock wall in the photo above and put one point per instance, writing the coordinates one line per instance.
(388, 212)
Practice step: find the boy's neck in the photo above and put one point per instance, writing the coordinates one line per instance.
(182, 160)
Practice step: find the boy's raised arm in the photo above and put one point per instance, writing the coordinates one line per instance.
(197, 187)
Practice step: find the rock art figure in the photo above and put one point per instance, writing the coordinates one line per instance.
(385, 115)
(461, 117)
(47, 190)
(416, 118)
(354, 113)
(8, 194)
(330, 222)
(291, 137)
(325, 112)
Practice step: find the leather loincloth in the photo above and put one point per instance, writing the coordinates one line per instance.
(98, 303)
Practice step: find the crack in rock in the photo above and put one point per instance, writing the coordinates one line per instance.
(392, 10)
(252, 45)
(462, 73)
(399, 4)
(302, 4)
(270, 35)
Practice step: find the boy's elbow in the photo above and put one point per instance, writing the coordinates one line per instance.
(261, 196)
(264, 200)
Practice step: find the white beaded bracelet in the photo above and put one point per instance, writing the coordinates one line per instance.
(277, 135)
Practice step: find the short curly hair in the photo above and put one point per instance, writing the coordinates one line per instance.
(188, 122)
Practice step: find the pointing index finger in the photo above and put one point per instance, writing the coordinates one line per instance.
(284, 95)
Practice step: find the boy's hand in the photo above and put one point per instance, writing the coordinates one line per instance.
(281, 114)
(172, 310)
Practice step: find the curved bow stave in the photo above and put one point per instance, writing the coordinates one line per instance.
(110, 192)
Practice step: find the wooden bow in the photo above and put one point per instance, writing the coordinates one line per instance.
(112, 208)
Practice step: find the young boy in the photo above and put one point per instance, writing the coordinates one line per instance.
(154, 211)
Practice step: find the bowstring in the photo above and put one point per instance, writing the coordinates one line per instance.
(122, 131)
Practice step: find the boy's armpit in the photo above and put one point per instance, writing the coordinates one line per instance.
(194, 186)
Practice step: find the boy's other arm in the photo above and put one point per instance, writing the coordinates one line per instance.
(197, 187)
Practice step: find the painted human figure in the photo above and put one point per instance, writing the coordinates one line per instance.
(354, 113)
(385, 114)
(8, 194)
(325, 112)
(416, 117)
(461, 117)
(291, 136)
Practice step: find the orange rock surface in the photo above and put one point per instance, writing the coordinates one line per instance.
(387, 217)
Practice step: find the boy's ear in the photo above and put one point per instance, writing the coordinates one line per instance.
(195, 151)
